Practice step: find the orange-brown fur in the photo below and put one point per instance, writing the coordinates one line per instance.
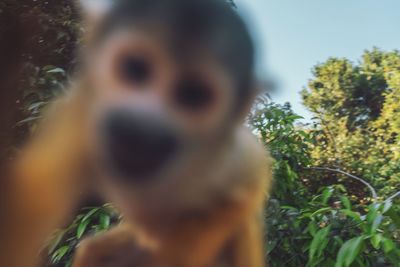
(210, 219)
(50, 179)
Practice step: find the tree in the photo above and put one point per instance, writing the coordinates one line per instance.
(357, 113)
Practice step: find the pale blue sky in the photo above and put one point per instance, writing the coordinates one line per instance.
(294, 35)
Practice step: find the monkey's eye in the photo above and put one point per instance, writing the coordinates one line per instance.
(193, 94)
(135, 69)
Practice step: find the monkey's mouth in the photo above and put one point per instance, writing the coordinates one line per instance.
(137, 148)
(139, 160)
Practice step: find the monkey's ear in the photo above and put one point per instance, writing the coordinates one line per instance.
(94, 10)
(247, 104)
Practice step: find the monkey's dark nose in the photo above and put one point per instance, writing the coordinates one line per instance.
(137, 145)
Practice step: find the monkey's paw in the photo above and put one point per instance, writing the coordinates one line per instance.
(113, 249)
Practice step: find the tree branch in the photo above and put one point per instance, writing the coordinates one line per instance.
(373, 191)
(393, 196)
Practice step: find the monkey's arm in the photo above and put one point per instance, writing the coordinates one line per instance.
(231, 228)
(233, 224)
(43, 189)
(222, 238)
(118, 247)
(193, 246)
(247, 248)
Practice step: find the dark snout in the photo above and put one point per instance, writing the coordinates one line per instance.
(137, 145)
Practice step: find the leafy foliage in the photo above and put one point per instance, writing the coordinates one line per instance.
(324, 226)
(357, 111)
(92, 220)
(287, 144)
(48, 57)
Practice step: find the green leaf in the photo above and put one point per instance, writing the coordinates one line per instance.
(352, 214)
(326, 194)
(59, 254)
(319, 242)
(349, 251)
(58, 236)
(312, 228)
(27, 120)
(104, 221)
(90, 213)
(294, 117)
(321, 211)
(372, 213)
(346, 202)
(81, 228)
(377, 221)
(387, 206)
(56, 70)
(388, 245)
(376, 241)
(36, 105)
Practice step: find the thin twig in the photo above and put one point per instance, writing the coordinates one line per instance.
(393, 196)
(373, 191)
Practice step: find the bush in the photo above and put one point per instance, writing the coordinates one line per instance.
(324, 226)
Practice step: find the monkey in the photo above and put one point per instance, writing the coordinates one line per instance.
(154, 122)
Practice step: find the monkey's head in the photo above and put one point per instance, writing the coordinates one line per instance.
(169, 79)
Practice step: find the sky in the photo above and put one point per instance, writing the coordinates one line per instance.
(294, 35)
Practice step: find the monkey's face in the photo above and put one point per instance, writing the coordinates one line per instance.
(154, 110)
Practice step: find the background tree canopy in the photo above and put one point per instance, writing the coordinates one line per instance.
(320, 213)
(357, 109)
